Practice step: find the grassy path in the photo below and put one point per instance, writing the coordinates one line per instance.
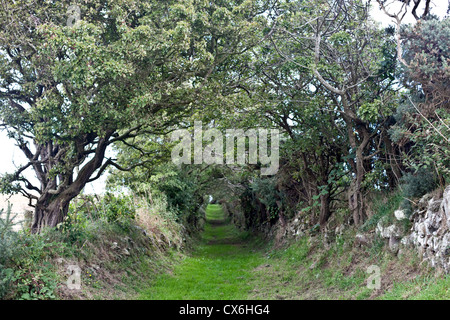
(233, 265)
(221, 267)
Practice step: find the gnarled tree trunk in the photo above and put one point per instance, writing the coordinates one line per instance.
(52, 205)
(49, 213)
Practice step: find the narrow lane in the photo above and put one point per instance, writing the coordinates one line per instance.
(221, 268)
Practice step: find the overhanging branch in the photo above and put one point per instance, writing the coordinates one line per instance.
(110, 162)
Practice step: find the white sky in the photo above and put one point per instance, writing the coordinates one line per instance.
(11, 155)
(438, 7)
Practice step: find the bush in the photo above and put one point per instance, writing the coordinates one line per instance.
(417, 184)
(7, 235)
(33, 277)
(118, 209)
(8, 241)
(73, 229)
(23, 271)
(267, 193)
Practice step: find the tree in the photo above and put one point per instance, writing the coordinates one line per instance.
(398, 14)
(74, 82)
(424, 112)
(287, 96)
(343, 50)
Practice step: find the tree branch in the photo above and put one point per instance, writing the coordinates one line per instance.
(110, 162)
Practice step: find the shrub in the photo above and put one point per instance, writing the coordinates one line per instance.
(24, 274)
(417, 184)
(267, 193)
(118, 208)
(32, 276)
(73, 229)
(8, 240)
(7, 235)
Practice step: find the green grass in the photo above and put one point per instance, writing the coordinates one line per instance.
(230, 264)
(421, 288)
(384, 206)
(214, 212)
(220, 268)
(233, 265)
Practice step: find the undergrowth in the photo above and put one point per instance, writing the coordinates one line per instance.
(114, 242)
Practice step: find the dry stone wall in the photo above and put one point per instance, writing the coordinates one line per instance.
(430, 231)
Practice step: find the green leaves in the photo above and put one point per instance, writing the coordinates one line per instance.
(340, 39)
(125, 64)
(373, 111)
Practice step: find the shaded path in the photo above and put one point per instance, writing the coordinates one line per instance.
(222, 267)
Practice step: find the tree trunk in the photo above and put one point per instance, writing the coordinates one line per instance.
(356, 197)
(53, 204)
(280, 213)
(325, 212)
(395, 173)
(49, 213)
(355, 193)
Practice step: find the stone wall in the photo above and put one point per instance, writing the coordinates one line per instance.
(427, 231)
(430, 231)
